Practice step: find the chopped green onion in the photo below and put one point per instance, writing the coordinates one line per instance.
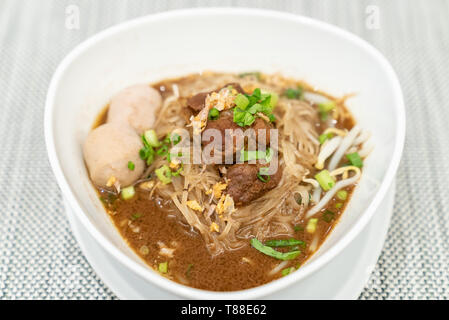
(136, 216)
(255, 108)
(144, 250)
(268, 102)
(324, 109)
(214, 114)
(256, 155)
(147, 152)
(262, 174)
(268, 155)
(238, 115)
(109, 200)
(243, 118)
(298, 228)
(241, 101)
(189, 268)
(272, 118)
(338, 205)
(322, 138)
(273, 253)
(255, 96)
(164, 174)
(355, 160)
(162, 151)
(175, 138)
(248, 119)
(178, 172)
(128, 192)
(311, 225)
(325, 180)
(342, 195)
(328, 216)
(143, 153)
(284, 243)
(167, 139)
(150, 158)
(151, 138)
(287, 271)
(274, 99)
(163, 267)
(131, 165)
(247, 106)
(292, 93)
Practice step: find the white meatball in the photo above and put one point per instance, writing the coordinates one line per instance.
(107, 151)
(135, 106)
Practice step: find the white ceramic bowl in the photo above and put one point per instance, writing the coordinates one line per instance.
(181, 42)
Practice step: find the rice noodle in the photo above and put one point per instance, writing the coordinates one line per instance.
(314, 244)
(175, 90)
(315, 97)
(326, 151)
(278, 268)
(363, 137)
(328, 196)
(366, 150)
(316, 195)
(344, 145)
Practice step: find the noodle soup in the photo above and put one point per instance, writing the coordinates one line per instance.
(225, 181)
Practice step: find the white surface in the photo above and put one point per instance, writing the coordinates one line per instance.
(137, 51)
(343, 278)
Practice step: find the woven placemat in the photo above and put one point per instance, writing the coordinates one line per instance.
(39, 257)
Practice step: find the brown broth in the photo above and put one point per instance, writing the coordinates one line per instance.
(144, 221)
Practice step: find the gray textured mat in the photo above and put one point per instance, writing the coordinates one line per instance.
(39, 258)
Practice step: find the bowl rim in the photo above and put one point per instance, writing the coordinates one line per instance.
(145, 272)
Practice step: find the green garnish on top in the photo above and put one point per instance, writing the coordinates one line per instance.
(323, 137)
(355, 160)
(287, 271)
(284, 243)
(263, 175)
(128, 192)
(325, 180)
(164, 174)
(163, 267)
(247, 106)
(342, 195)
(175, 138)
(189, 268)
(214, 114)
(324, 109)
(294, 93)
(273, 253)
(147, 153)
(131, 165)
(150, 138)
(249, 155)
(135, 216)
(328, 216)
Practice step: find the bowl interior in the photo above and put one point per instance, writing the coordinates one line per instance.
(179, 43)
